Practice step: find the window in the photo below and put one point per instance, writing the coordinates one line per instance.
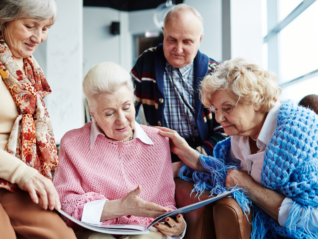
(291, 46)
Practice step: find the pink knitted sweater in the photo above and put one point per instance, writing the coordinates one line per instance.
(111, 170)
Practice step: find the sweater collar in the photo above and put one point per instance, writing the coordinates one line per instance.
(139, 134)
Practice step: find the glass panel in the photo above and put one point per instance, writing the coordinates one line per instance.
(264, 18)
(298, 91)
(265, 55)
(298, 45)
(285, 7)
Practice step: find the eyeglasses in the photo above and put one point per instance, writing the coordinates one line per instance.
(225, 110)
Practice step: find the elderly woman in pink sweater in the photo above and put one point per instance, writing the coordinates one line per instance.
(113, 170)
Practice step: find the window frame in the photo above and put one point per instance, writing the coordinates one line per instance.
(274, 28)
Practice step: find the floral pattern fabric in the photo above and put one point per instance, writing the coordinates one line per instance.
(31, 138)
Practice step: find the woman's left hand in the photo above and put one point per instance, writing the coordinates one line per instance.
(176, 228)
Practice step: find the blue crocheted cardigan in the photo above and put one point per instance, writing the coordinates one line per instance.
(290, 167)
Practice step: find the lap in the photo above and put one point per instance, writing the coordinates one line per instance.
(29, 220)
(86, 234)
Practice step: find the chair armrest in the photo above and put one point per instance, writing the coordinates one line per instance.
(230, 221)
(222, 219)
(200, 221)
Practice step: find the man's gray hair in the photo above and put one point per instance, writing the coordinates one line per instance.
(183, 7)
(16, 9)
(106, 78)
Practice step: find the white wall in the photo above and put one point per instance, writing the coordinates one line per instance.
(211, 11)
(246, 30)
(99, 44)
(64, 68)
(142, 21)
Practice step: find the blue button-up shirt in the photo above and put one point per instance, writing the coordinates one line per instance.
(179, 113)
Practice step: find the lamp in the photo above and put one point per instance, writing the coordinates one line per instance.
(161, 12)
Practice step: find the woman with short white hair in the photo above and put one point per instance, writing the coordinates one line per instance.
(272, 151)
(27, 146)
(113, 170)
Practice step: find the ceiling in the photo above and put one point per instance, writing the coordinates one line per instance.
(127, 5)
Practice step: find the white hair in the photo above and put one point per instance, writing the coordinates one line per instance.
(183, 8)
(105, 78)
(16, 9)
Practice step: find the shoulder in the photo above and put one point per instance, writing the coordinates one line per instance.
(149, 53)
(290, 114)
(295, 136)
(153, 134)
(145, 63)
(76, 135)
(212, 65)
(222, 148)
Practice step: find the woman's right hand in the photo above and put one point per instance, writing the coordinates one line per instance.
(180, 147)
(131, 204)
(42, 189)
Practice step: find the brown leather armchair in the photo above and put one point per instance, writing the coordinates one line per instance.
(223, 219)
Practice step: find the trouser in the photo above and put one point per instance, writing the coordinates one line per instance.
(86, 234)
(21, 218)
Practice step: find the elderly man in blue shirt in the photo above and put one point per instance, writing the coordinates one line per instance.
(167, 79)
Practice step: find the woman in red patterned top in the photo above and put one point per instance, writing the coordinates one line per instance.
(27, 146)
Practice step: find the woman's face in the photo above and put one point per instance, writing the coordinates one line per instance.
(24, 35)
(236, 118)
(115, 113)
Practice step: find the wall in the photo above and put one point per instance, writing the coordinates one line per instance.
(99, 44)
(60, 56)
(246, 30)
(211, 12)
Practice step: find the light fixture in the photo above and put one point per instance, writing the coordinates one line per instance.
(161, 12)
(152, 34)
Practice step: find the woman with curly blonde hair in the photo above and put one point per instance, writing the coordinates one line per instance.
(271, 152)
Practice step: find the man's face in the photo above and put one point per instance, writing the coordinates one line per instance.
(182, 37)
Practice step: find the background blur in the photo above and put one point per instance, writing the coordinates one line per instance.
(280, 35)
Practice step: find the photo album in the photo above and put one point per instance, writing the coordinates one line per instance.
(122, 229)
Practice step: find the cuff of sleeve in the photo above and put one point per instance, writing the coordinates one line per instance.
(92, 211)
(284, 211)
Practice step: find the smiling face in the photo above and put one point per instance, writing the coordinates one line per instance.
(115, 113)
(24, 35)
(182, 36)
(236, 118)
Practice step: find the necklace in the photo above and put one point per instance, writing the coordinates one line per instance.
(130, 137)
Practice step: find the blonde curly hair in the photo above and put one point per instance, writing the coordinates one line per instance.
(244, 79)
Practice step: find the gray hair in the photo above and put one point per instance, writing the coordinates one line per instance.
(16, 9)
(106, 78)
(185, 8)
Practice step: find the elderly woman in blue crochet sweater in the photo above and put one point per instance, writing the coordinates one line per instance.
(272, 152)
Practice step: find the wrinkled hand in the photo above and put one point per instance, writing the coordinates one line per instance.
(42, 189)
(175, 228)
(239, 178)
(178, 145)
(131, 204)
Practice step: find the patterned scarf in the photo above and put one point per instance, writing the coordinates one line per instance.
(31, 138)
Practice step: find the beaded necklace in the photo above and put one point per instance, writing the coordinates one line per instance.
(130, 137)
